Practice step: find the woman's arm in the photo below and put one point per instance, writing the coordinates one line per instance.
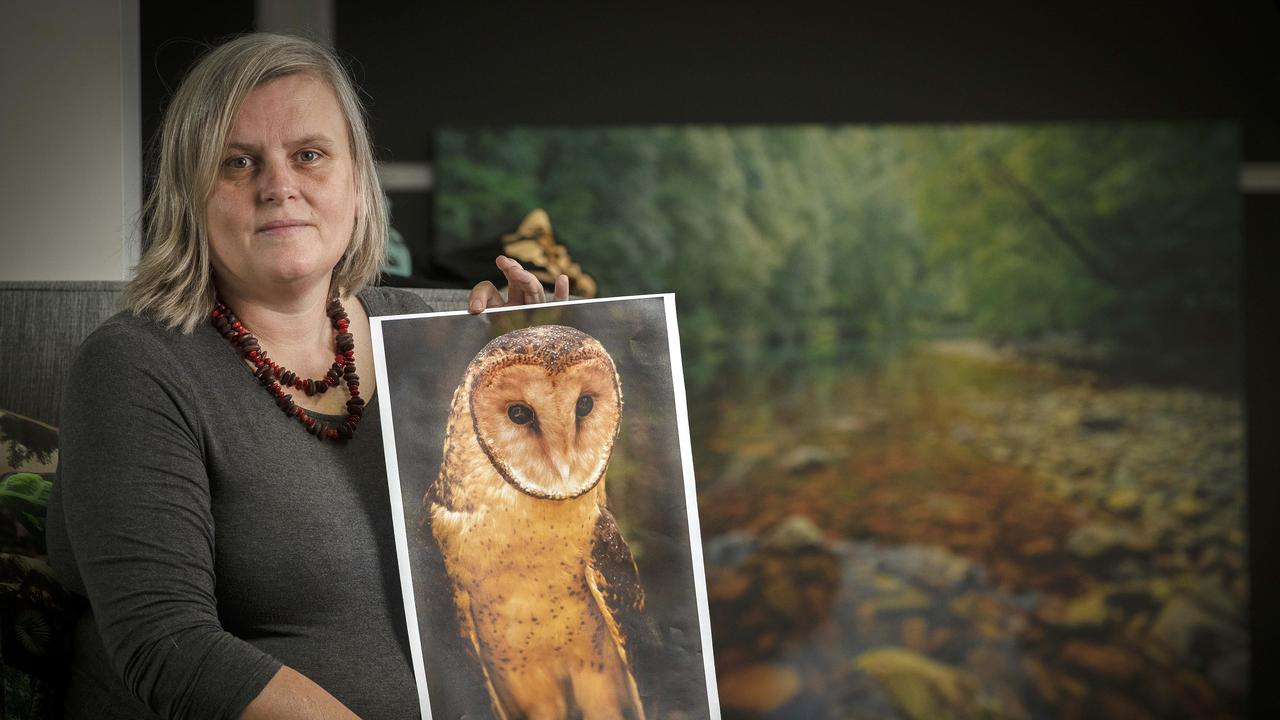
(290, 695)
(134, 500)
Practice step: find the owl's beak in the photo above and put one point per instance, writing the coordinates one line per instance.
(561, 452)
(560, 462)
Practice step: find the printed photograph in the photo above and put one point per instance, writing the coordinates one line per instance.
(965, 400)
(548, 535)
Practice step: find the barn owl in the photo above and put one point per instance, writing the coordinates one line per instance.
(543, 581)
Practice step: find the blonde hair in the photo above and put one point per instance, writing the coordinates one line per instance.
(174, 281)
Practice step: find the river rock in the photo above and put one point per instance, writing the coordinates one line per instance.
(796, 532)
(848, 423)
(737, 469)
(783, 590)
(1037, 547)
(883, 583)
(782, 597)
(1096, 539)
(1213, 595)
(963, 433)
(1137, 598)
(1107, 661)
(759, 449)
(1230, 672)
(1087, 611)
(921, 688)
(983, 610)
(1117, 705)
(915, 634)
(725, 585)
(1125, 501)
(806, 458)
(1054, 687)
(1190, 507)
(759, 689)
(1099, 420)
(1193, 635)
(906, 600)
(929, 565)
(858, 696)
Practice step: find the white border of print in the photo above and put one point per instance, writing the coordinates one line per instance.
(385, 393)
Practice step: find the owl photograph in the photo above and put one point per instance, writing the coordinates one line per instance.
(550, 556)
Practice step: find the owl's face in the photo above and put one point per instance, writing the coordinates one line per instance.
(549, 428)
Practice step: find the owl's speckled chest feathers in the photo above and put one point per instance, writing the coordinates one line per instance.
(522, 561)
(518, 514)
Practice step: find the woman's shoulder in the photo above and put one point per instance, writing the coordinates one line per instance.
(393, 301)
(132, 360)
(127, 329)
(127, 340)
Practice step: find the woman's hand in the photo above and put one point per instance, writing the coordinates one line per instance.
(523, 288)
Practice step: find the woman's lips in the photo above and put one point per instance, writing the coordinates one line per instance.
(282, 227)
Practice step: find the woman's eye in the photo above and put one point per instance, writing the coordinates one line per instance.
(585, 403)
(239, 162)
(520, 414)
(308, 156)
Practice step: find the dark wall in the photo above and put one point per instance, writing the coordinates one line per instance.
(489, 63)
(172, 37)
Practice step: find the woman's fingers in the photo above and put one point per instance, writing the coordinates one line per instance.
(522, 288)
(484, 295)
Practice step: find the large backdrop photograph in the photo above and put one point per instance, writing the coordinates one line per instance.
(546, 522)
(965, 401)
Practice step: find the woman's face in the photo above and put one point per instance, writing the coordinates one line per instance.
(282, 208)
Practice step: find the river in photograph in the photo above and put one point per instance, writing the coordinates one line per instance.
(961, 531)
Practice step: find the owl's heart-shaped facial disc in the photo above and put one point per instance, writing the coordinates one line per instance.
(549, 430)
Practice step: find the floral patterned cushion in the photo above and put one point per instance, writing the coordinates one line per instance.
(36, 614)
(27, 445)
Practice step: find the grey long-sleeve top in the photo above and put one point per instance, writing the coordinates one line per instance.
(215, 538)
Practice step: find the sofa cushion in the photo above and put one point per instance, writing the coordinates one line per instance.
(41, 325)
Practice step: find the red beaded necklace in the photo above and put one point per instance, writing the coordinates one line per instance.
(276, 377)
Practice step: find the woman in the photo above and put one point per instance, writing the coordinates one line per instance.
(238, 560)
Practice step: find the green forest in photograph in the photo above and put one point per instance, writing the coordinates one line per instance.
(1123, 236)
(964, 401)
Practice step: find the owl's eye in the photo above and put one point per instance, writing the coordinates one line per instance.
(520, 414)
(585, 403)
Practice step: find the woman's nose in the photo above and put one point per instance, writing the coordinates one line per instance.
(277, 182)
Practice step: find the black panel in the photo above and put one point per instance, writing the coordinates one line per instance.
(173, 37)
(480, 63)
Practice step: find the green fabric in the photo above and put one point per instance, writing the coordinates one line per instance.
(24, 497)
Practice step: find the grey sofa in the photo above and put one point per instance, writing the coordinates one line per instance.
(42, 324)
